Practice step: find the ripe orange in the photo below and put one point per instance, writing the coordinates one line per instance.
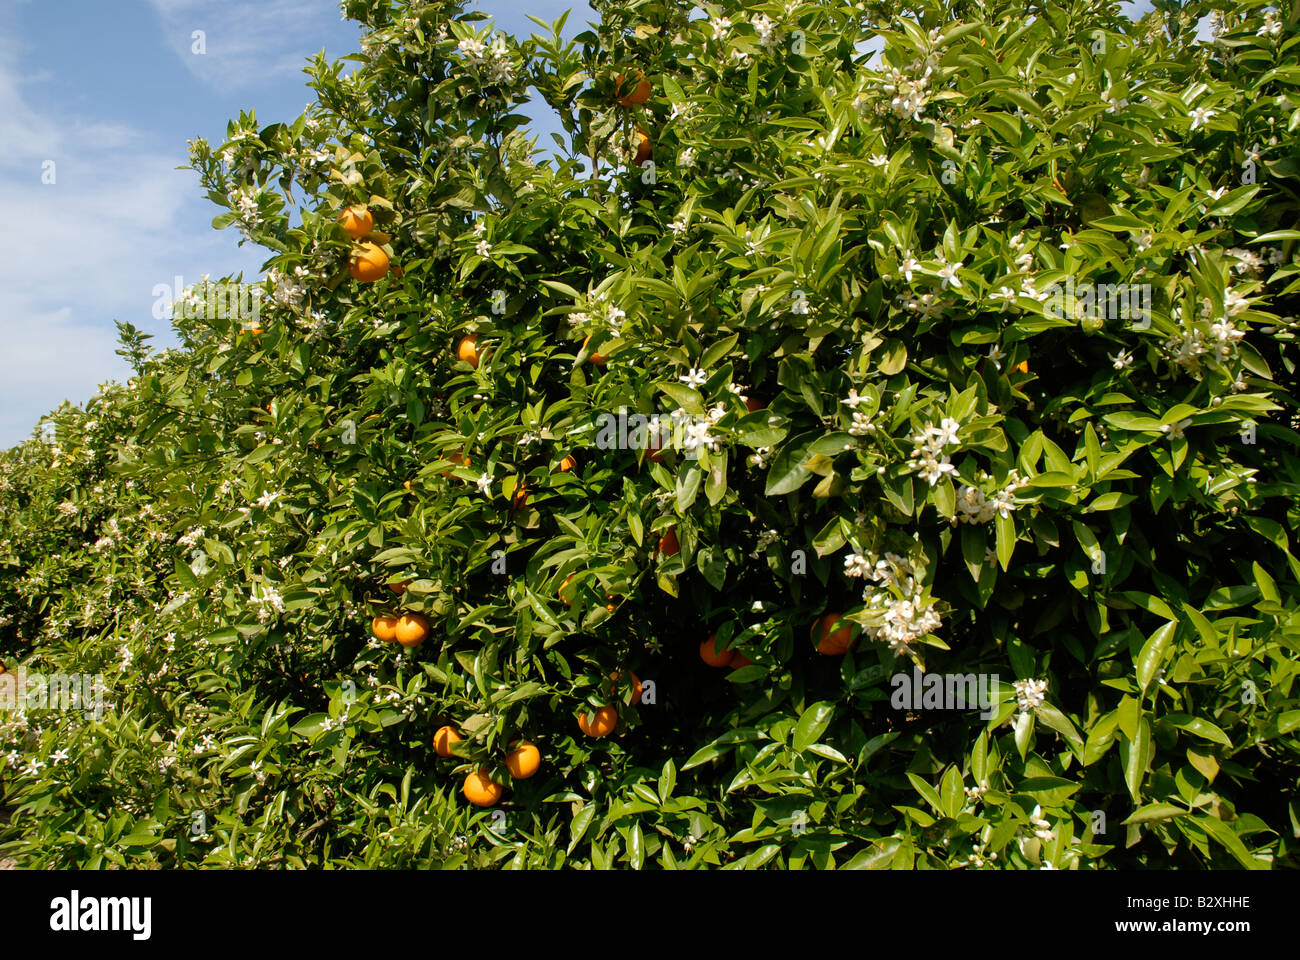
(457, 457)
(384, 628)
(1021, 367)
(481, 790)
(519, 499)
(753, 404)
(606, 718)
(834, 644)
(709, 654)
(368, 263)
(523, 760)
(357, 221)
(656, 451)
(668, 545)
(633, 90)
(399, 588)
(567, 464)
(636, 686)
(599, 359)
(443, 739)
(467, 350)
(643, 148)
(411, 629)
(739, 660)
(609, 597)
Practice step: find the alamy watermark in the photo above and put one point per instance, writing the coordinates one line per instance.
(1100, 301)
(944, 691)
(208, 301)
(21, 692)
(683, 432)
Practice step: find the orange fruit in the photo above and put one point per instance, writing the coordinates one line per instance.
(739, 660)
(519, 499)
(643, 148)
(523, 760)
(467, 350)
(399, 588)
(655, 449)
(443, 739)
(384, 628)
(567, 464)
(609, 597)
(411, 629)
(634, 90)
(709, 654)
(753, 404)
(368, 263)
(603, 723)
(481, 790)
(668, 545)
(458, 457)
(836, 643)
(636, 686)
(357, 221)
(599, 359)
(1021, 367)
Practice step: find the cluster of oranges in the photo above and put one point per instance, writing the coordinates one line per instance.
(368, 262)
(524, 759)
(633, 91)
(408, 629)
(601, 721)
(522, 762)
(714, 657)
(830, 641)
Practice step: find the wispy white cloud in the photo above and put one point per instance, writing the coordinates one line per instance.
(89, 248)
(245, 42)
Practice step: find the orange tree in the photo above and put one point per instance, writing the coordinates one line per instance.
(965, 543)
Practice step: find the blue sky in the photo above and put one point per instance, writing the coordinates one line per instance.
(110, 91)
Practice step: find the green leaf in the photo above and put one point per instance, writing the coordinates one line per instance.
(685, 397)
(787, 472)
(1199, 726)
(1156, 811)
(578, 828)
(892, 357)
(1056, 720)
(952, 793)
(1135, 755)
(812, 724)
(1153, 654)
(927, 792)
(1006, 540)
